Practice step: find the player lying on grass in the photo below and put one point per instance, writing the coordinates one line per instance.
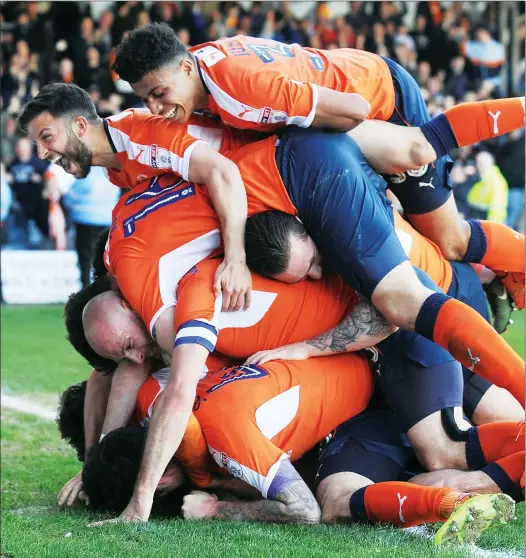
(270, 410)
(265, 85)
(128, 259)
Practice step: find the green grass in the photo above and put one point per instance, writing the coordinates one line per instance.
(37, 360)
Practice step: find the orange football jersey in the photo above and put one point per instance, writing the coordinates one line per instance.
(263, 84)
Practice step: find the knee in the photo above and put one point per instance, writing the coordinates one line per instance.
(453, 242)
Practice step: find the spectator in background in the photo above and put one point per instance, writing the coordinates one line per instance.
(8, 138)
(6, 197)
(27, 175)
(510, 159)
(486, 56)
(488, 198)
(90, 202)
(457, 84)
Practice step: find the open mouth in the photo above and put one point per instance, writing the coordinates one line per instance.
(171, 114)
(62, 161)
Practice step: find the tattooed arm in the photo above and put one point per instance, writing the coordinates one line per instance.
(291, 502)
(363, 327)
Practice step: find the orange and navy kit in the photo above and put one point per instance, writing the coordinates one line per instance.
(280, 81)
(255, 417)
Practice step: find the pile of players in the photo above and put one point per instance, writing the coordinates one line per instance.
(239, 374)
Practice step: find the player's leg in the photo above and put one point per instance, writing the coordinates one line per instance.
(424, 192)
(352, 225)
(354, 458)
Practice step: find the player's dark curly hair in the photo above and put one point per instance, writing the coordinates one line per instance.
(111, 470)
(147, 49)
(75, 330)
(59, 99)
(267, 241)
(70, 419)
(97, 262)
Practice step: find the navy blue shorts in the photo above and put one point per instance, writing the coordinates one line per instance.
(371, 444)
(417, 377)
(342, 203)
(466, 287)
(426, 189)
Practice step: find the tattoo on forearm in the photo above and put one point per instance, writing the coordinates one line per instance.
(294, 504)
(363, 321)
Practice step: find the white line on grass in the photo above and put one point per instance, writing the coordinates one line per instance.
(423, 532)
(26, 406)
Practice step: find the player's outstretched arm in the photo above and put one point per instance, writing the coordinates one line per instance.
(228, 195)
(167, 427)
(293, 502)
(340, 111)
(363, 327)
(126, 381)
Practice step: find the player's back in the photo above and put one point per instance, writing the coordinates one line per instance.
(295, 404)
(279, 313)
(264, 66)
(159, 231)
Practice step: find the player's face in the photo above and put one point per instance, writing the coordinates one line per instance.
(171, 93)
(304, 262)
(122, 337)
(57, 141)
(172, 478)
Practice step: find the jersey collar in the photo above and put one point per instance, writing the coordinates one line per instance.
(108, 135)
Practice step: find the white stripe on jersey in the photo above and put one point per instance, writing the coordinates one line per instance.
(251, 114)
(212, 136)
(277, 413)
(175, 264)
(260, 305)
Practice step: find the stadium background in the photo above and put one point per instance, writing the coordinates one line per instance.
(457, 51)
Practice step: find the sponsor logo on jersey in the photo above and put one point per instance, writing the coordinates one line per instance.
(141, 178)
(250, 372)
(159, 157)
(210, 55)
(232, 466)
(265, 114)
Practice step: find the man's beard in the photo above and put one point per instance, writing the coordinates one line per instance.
(79, 154)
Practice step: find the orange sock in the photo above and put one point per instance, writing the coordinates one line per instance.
(500, 439)
(504, 248)
(478, 121)
(402, 503)
(489, 442)
(513, 466)
(475, 344)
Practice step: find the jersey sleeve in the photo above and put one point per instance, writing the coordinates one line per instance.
(153, 141)
(197, 312)
(193, 454)
(267, 100)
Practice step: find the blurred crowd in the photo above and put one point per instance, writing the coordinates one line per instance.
(457, 51)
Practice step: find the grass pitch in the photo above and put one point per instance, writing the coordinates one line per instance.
(38, 363)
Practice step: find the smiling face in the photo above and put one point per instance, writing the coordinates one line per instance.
(59, 140)
(173, 93)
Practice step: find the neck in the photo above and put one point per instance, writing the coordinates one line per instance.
(202, 98)
(103, 155)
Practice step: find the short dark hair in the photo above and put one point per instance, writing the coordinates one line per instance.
(111, 470)
(112, 467)
(148, 48)
(75, 329)
(70, 419)
(59, 99)
(267, 241)
(99, 245)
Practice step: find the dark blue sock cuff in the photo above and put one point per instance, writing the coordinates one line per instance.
(357, 506)
(439, 134)
(478, 243)
(427, 317)
(499, 476)
(474, 455)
